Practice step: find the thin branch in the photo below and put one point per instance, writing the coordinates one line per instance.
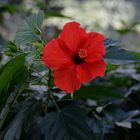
(48, 92)
(42, 76)
(55, 103)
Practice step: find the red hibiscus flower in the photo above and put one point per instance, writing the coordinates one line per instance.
(76, 57)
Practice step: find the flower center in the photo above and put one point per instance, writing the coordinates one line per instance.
(80, 56)
(82, 53)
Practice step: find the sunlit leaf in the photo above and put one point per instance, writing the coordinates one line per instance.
(30, 30)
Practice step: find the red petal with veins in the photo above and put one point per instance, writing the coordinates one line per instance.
(75, 56)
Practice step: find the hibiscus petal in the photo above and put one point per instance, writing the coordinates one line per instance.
(88, 71)
(95, 46)
(56, 53)
(73, 35)
(66, 79)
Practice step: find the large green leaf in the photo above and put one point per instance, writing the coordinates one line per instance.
(15, 129)
(110, 42)
(10, 101)
(68, 124)
(116, 55)
(96, 92)
(30, 30)
(9, 70)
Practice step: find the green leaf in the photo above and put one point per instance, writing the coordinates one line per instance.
(11, 46)
(111, 67)
(8, 8)
(137, 54)
(96, 92)
(68, 124)
(116, 55)
(56, 14)
(9, 70)
(110, 42)
(10, 101)
(39, 48)
(11, 49)
(30, 30)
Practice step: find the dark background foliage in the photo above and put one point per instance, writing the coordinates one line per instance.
(107, 108)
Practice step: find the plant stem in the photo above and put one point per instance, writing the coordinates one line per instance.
(43, 39)
(49, 94)
(41, 76)
(55, 103)
(49, 91)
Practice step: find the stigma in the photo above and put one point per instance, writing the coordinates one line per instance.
(82, 53)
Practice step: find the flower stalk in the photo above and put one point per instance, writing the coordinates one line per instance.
(49, 93)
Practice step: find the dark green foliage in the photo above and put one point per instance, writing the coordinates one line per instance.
(8, 8)
(116, 55)
(68, 124)
(101, 110)
(11, 49)
(11, 68)
(15, 129)
(96, 92)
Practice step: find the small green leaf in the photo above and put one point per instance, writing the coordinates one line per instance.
(10, 49)
(111, 67)
(96, 92)
(116, 55)
(56, 14)
(30, 30)
(11, 46)
(137, 54)
(9, 70)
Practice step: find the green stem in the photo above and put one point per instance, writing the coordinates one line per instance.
(55, 103)
(96, 116)
(49, 94)
(43, 39)
(41, 76)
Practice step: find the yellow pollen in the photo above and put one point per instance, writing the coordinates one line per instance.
(82, 53)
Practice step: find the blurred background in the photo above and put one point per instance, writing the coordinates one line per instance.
(116, 19)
